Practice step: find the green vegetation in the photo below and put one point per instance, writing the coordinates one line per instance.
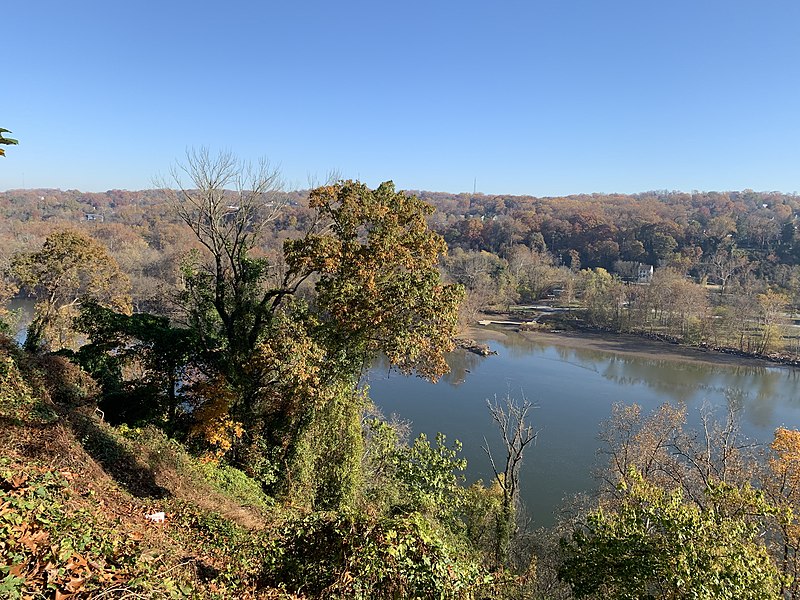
(261, 384)
(655, 544)
(207, 362)
(74, 493)
(341, 555)
(6, 141)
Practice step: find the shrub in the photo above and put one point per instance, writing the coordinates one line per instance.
(65, 382)
(235, 484)
(18, 400)
(342, 555)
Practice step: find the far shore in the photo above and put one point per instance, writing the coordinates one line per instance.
(618, 343)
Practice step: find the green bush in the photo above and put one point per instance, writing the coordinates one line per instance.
(18, 400)
(161, 451)
(657, 544)
(235, 484)
(341, 555)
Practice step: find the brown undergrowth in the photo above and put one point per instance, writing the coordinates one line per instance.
(75, 492)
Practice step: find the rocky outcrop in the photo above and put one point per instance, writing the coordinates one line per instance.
(474, 347)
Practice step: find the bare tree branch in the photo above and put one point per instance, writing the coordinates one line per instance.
(512, 419)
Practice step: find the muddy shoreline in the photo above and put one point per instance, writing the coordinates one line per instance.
(621, 343)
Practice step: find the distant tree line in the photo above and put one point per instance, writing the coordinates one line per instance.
(239, 318)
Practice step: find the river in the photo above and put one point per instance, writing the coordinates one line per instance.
(22, 315)
(573, 390)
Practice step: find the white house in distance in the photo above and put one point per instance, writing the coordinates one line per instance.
(633, 272)
(645, 273)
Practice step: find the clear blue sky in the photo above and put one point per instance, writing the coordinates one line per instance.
(542, 97)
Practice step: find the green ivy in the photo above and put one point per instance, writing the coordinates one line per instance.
(344, 555)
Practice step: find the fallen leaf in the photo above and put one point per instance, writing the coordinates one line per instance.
(76, 561)
(52, 573)
(75, 584)
(32, 540)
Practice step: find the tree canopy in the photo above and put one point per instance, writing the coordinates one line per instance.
(377, 286)
(69, 268)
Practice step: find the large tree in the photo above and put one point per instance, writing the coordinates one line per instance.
(377, 290)
(291, 355)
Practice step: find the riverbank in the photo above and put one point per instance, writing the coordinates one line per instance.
(622, 343)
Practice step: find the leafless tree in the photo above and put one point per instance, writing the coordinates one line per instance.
(725, 264)
(512, 418)
(226, 202)
(666, 453)
(632, 439)
(718, 452)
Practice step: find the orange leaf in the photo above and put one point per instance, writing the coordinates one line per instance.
(18, 480)
(75, 584)
(75, 563)
(136, 536)
(32, 540)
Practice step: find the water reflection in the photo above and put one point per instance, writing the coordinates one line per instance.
(574, 388)
(21, 316)
(763, 391)
(461, 364)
